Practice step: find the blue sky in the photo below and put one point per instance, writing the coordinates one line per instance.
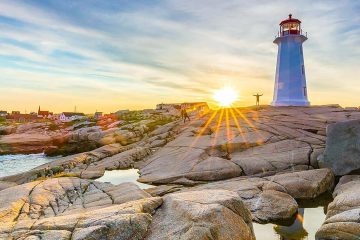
(110, 55)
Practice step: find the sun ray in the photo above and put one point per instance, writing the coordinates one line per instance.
(202, 130)
(217, 128)
(261, 137)
(229, 132)
(238, 126)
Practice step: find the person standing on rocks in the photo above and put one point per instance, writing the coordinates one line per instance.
(257, 95)
(184, 115)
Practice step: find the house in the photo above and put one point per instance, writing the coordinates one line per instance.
(15, 112)
(44, 114)
(71, 116)
(3, 113)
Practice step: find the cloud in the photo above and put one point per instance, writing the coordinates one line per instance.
(173, 50)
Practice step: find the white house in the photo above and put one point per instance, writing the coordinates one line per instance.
(71, 116)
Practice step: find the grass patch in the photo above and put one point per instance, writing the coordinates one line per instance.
(159, 122)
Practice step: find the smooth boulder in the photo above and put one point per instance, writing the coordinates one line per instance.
(202, 215)
(342, 151)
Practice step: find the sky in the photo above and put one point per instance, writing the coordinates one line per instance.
(126, 54)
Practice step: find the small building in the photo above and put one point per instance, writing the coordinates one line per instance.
(3, 113)
(44, 114)
(15, 112)
(71, 116)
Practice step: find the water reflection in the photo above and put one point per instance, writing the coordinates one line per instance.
(119, 176)
(294, 232)
(304, 227)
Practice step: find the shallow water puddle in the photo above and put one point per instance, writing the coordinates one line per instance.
(303, 228)
(119, 176)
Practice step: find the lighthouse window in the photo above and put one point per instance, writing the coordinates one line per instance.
(305, 91)
(302, 69)
(301, 50)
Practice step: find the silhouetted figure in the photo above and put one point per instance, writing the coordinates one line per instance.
(184, 115)
(257, 95)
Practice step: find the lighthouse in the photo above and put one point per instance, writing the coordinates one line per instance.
(290, 82)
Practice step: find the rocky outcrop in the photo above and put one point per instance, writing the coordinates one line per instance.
(181, 165)
(65, 208)
(260, 142)
(73, 208)
(343, 215)
(342, 152)
(25, 143)
(273, 198)
(208, 214)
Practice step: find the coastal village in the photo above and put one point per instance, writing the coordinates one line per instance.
(43, 115)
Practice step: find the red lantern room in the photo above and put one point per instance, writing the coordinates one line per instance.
(290, 26)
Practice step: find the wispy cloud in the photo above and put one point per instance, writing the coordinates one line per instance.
(132, 54)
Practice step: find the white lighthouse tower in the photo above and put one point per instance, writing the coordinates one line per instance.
(290, 82)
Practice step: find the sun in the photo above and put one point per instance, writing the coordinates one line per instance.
(225, 96)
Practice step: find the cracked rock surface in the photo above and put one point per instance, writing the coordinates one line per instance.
(229, 143)
(73, 208)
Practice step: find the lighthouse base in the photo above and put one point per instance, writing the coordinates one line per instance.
(282, 103)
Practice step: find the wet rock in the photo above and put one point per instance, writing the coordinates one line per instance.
(207, 214)
(343, 215)
(342, 152)
(63, 207)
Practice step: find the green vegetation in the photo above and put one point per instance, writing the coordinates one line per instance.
(133, 116)
(159, 122)
(2, 119)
